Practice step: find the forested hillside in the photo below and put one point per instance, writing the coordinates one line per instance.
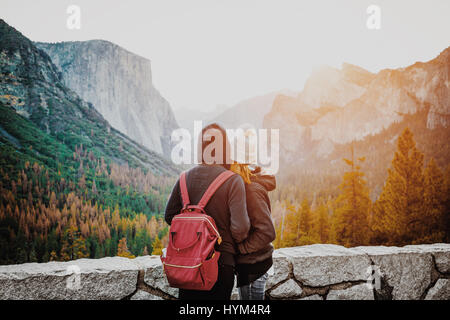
(381, 192)
(365, 157)
(71, 186)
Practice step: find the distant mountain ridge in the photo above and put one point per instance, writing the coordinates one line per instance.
(339, 106)
(119, 85)
(249, 111)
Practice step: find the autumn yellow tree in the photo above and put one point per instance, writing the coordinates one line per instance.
(432, 225)
(399, 210)
(305, 229)
(157, 246)
(322, 225)
(289, 226)
(447, 204)
(352, 206)
(74, 245)
(53, 256)
(122, 250)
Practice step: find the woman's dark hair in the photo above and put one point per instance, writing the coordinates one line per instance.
(203, 143)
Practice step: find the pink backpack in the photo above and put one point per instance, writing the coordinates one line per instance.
(191, 260)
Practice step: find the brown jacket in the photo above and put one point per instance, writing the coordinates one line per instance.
(258, 245)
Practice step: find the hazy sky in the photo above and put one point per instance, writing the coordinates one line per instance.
(207, 52)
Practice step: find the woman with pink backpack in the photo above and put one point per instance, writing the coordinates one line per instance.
(210, 203)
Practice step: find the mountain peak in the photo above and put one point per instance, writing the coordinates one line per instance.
(354, 68)
(357, 74)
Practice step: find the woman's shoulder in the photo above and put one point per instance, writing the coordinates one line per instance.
(255, 188)
(265, 182)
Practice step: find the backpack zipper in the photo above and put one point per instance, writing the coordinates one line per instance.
(203, 218)
(178, 266)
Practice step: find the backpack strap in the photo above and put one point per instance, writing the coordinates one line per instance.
(184, 191)
(221, 178)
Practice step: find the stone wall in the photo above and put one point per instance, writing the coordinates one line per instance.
(315, 272)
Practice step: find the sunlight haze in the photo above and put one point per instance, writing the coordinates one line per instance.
(209, 53)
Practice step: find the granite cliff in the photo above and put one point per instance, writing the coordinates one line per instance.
(119, 85)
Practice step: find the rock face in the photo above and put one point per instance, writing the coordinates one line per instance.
(312, 297)
(287, 289)
(407, 270)
(440, 291)
(102, 279)
(32, 86)
(356, 292)
(341, 274)
(154, 276)
(340, 106)
(280, 271)
(144, 295)
(324, 264)
(119, 85)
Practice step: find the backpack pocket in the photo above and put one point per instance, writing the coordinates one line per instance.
(209, 271)
(191, 273)
(184, 272)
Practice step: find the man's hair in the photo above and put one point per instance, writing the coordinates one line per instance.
(204, 143)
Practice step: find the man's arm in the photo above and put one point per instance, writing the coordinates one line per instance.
(239, 220)
(263, 231)
(174, 204)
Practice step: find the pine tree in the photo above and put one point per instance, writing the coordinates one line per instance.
(289, 226)
(447, 205)
(323, 223)
(94, 187)
(432, 225)
(157, 246)
(81, 169)
(53, 256)
(79, 248)
(82, 182)
(305, 225)
(277, 243)
(398, 212)
(379, 234)
(74, 245)
(122, 250)
(353, 206)
(33, 257)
